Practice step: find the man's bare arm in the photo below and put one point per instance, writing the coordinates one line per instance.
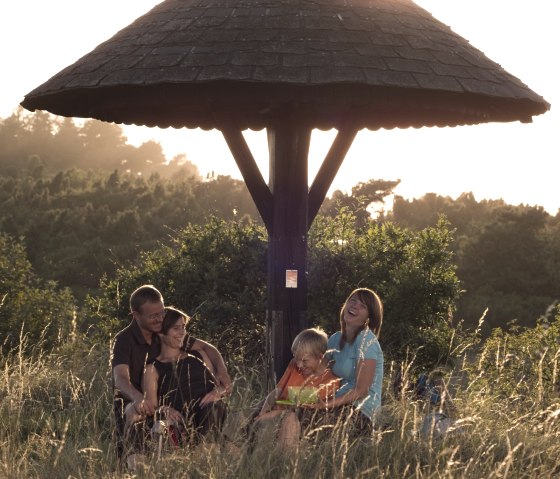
(121, 379)
(218, 365)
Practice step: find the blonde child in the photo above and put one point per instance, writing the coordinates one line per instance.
(305, 370)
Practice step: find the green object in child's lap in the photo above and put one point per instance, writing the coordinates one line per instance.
(302, 395)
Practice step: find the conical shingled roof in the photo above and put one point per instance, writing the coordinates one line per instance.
(202, 63)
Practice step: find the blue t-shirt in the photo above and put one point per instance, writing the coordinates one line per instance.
(365, 346)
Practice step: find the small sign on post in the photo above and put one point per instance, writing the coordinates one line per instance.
(291, 278)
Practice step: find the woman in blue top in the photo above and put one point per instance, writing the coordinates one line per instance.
(357, 357)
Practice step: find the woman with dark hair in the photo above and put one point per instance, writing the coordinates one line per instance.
(356, 357)
(179, 383)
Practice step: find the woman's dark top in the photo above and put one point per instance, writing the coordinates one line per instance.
(183, 384)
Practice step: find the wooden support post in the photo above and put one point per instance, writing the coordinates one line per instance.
(287, 250)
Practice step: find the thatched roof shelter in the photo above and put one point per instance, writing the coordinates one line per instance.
(288, 66)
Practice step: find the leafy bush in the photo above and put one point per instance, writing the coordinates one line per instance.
(29, 305)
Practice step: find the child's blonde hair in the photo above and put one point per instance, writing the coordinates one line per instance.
(312, 341)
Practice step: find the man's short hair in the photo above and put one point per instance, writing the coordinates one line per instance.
(143, 294)
(312, 341)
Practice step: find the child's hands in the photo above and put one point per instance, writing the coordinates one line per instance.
(320, 404)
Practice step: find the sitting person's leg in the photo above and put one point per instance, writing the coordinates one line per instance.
(290, 430)
(209, 420)
(136, 430)
(129, 433)
(269, 415)
(118, 410)
(351, 420)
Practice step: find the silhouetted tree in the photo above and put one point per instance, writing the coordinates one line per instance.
(364, 194)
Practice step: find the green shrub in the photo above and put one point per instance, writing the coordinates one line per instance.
(31, 306)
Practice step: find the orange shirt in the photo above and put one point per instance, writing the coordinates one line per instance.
(327, 383)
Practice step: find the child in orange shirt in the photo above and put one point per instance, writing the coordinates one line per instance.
(305, 370)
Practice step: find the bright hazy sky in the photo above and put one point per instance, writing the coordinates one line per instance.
(519, 163)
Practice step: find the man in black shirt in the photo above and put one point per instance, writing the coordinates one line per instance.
(134, 347)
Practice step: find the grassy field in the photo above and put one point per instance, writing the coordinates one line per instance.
(56, 422)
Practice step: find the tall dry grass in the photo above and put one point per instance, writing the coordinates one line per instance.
(56, 422)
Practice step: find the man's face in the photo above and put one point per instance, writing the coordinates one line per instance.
(150, 316)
